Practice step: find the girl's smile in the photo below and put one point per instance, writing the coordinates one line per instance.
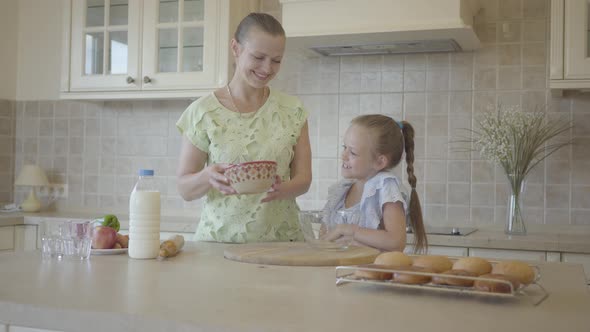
(358, 159)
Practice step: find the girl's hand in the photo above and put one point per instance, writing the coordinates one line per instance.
(342, 232)
(218, 180)
(274, 192)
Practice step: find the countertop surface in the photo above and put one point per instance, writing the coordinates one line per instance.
(199, 290)
(571, 239)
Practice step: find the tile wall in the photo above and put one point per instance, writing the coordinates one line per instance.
(96, 147)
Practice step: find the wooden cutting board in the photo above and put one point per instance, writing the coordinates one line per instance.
(298, 254)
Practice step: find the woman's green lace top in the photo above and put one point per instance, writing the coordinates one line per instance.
(229, 137)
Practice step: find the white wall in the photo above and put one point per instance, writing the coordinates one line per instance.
(39, 49)
(8, 48)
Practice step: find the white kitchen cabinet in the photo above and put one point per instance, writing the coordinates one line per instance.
(583, 259)
(13, 328)
(25, 237)
(7, 238)
(126, 49)
(570, 47)
(503, 254)
(441, 250)
(18, 238)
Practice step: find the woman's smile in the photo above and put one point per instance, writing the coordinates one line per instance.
(262, 77)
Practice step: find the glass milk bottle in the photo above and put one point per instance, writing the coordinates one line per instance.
(144, 217)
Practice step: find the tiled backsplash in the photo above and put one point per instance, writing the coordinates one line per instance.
(97, 147)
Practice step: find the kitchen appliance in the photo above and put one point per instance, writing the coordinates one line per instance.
(352, 27)
(446, 230)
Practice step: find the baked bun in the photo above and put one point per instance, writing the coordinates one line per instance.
(393, 258)
(496, 287)
(413, 279)
(519, 270)
(475, 265)
(374, 275)
(436, 263)
(442, 280)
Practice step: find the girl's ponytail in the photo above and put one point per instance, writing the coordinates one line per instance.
(416, 221)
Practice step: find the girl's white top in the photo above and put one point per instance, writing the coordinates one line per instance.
(382, 188)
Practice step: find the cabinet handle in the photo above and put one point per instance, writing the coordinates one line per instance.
(147, 79)
(130, 80)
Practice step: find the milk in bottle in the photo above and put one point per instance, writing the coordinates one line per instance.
(144, 217)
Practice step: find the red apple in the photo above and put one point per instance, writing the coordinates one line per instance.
(104, 237)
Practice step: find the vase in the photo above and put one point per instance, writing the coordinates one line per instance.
(515, 214)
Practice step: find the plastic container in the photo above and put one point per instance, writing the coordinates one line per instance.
(144, 217)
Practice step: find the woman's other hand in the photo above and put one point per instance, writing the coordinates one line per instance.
(274, 192)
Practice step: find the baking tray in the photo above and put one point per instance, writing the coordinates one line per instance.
(345, 274)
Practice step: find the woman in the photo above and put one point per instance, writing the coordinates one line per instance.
(246, 121)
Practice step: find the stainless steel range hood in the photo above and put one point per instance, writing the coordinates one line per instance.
(400, 47)
(352, 27)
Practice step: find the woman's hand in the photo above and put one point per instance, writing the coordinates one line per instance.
(218, 180)
(274, 192)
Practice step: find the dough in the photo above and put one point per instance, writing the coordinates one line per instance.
(374, 275)
(475, 265)
(393, 258)
(413, 279)
(386, 260)
(495, 287)
(523, 272)
(441, 280)
(438, 264)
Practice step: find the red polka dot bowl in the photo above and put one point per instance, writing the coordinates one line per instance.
(252, 177)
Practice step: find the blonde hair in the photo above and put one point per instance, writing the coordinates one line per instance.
(264, 22)
(391, 139)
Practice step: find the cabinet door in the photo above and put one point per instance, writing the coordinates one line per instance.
(13, 328)
(440, 250)
(25, 237)
(7, 238)
(583, 259)
(504, 254)
(184, 44)
(577, 36)
(105, 45)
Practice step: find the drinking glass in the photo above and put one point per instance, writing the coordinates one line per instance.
(313, 225)
(52, 245)
(71, 239)
(77, 239)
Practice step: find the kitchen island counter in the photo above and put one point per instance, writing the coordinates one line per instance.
(199, 290)
(569, 238)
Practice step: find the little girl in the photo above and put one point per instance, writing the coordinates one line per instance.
(373, 145)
